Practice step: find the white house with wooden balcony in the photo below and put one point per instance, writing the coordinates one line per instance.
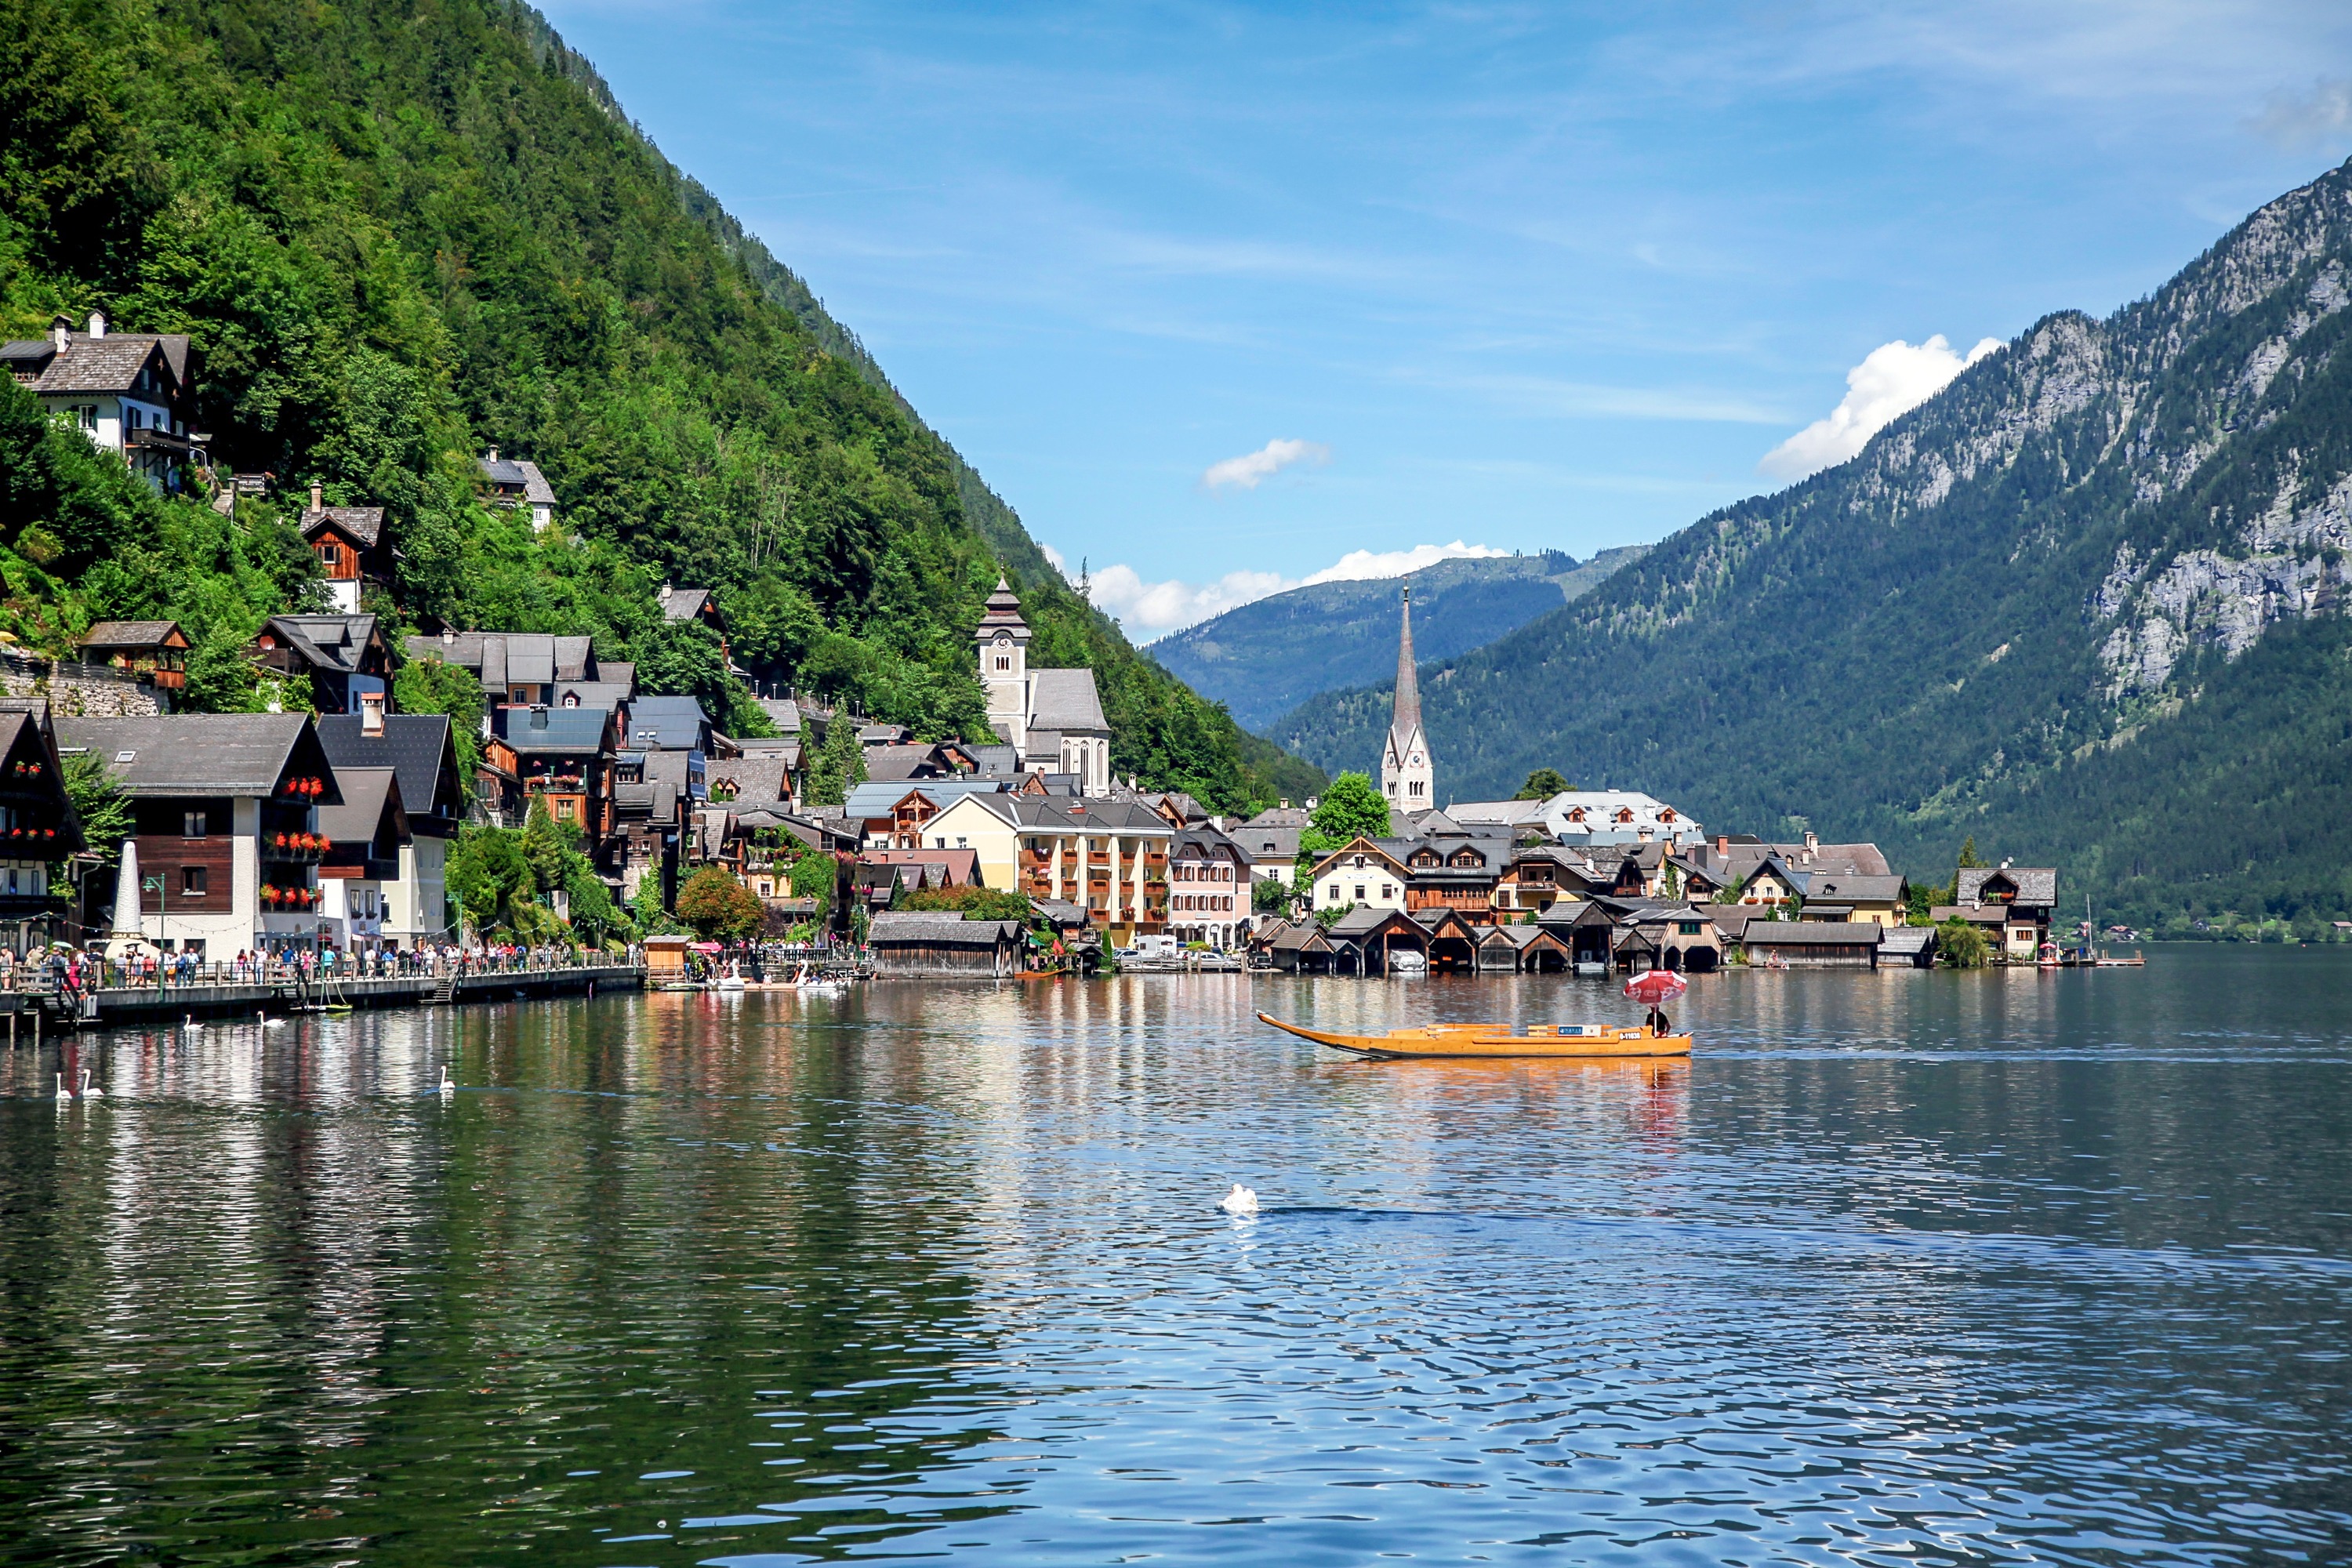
(1108, 856)
(225, 846)
(128, 392)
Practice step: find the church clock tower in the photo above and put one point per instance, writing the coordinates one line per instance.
(1002, 639)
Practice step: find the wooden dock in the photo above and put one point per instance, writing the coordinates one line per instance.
(147, 1005)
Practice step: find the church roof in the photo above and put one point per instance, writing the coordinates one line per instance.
(1003, 613)
(1065, 700)
(1407, 717)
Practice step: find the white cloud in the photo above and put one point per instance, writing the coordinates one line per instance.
(1358, 564)
(2320, 118)
(1152, 610)
(1892, 380)
(1252, 468)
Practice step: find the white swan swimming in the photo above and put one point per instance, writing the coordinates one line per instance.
(1240, 1201)
(188, 1025)
(270, 1023)
(65, 1095)
(446, 1087)
(88, 1089)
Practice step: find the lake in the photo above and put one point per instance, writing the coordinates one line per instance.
(1900, 1268)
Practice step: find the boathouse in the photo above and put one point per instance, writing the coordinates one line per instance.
(1814, 944)
(910, 943)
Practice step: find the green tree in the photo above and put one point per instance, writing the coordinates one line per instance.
(1352, 807)
(840, 763)
(1967, 860)
(1328, 917)
(719, 907)
(95, 794)
(1960, 945)
(431, 685)
(1542, 784)
(973, 903)
(1269, 896)
(490, 876)
(547, 846)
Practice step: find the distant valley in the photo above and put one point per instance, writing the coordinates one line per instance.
(1265, 658)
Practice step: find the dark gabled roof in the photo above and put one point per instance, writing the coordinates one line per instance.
(1289, 817)
(325, 642)
(515, 473)
(371, 797)
(419, 747)
(1206, 842)
(198, 755)
(567, 732)
(132, 634)
(1831, 887)
(364, 524)
(2035, 884)
(107, 364)
(668, 724)
(892, 927)
(684, 604)
(1908, 941)
(1359, 923)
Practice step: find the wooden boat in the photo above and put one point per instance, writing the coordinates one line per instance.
(1564, 1041)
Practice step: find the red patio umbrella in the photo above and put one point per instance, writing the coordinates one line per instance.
(1657, 987)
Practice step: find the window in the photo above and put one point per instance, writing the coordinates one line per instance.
(566, 808)
(1688, 928)
(194, 880)
(1360, 892)
(1388, 891)
(194, 824)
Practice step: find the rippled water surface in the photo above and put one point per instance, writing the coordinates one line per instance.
(1912, 1268)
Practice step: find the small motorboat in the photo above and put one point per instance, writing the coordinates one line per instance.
(1554, 1040)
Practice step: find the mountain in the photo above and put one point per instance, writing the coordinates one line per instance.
(1268, 656)
(400, 232)
(2088, 605)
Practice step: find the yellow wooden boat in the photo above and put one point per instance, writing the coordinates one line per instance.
(1584, 1041)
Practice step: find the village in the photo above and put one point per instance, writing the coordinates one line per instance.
(252, 836)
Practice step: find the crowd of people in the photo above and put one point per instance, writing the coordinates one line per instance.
(75, 973)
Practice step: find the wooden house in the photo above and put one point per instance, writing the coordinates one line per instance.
(156, 652)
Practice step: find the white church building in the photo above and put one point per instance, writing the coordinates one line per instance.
(1053, 719)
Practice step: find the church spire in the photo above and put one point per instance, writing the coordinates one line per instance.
(1408, 772)
(1407, 717)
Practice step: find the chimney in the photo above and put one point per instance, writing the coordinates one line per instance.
(372, 713)
(449, 636)
(493, 456)
(98, 323)
(60, 331)
(1812, 842)
(1723, 845)
(1285, 802)
(538, 715)
(317, 495)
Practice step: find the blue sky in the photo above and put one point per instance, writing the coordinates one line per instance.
(1513, 276)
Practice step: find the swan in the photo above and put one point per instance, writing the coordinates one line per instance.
(88, 1089)
(1240, 1201)
(270, 1023)
(188, 1025)
(65, 1095)
(446, 1087)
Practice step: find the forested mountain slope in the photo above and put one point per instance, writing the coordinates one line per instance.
(402, 231)
(1266, 657)
(2087, 604)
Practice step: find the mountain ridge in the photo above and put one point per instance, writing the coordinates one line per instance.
(1985, 622)
(1263, 659)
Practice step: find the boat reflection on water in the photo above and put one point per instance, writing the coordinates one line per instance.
(1652, 1095)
